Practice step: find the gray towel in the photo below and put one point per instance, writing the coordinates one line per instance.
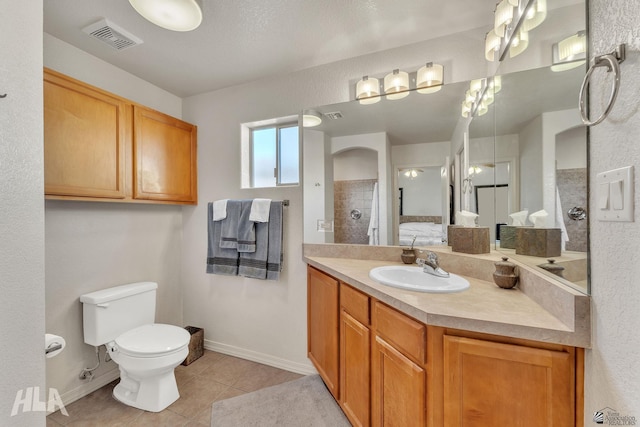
(246, 229)
(266, 261)
(275, 255)
(219, 260)
(237, 231)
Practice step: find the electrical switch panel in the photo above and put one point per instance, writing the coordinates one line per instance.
(614, 195)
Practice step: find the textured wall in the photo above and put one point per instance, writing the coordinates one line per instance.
(350, 195)
(613, 365)
(21, 209)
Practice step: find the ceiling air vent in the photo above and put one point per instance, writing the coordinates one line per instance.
(335, 115)
(109, 33)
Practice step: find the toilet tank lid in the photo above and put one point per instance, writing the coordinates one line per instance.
(117, 292)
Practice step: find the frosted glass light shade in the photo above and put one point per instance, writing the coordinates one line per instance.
(491, 45)
(570, 52)
(368, 90)
(429, 78)
(519, 43)
(476, 86)
(175, 15)
(396, 84)
(311, 118)
(495, 83)
(502, 17)
(535, 15)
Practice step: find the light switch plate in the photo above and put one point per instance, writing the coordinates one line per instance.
(615, 195)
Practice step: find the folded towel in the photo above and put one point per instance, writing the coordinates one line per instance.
(219, 260)
(246, 229)
(266, 261)
(275, 256)
(219, 209)
(260, 210)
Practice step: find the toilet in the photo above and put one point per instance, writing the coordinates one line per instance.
(122, 318)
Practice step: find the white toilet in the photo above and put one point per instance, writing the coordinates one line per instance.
(147, 353)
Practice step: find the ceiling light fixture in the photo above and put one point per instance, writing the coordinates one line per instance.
(396, 84)
(430, 78)
(175, 15)
(311, 118)
(368, 90)
(570, 52)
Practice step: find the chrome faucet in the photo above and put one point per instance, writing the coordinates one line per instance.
(430, 265)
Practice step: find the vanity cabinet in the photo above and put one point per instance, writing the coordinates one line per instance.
(398, 375)
(323, 327)
(355, 356)
(394, 370)
(491, 384)
(101, 147)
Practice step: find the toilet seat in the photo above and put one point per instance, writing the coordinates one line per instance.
(153, 340)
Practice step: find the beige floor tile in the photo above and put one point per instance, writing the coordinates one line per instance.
(196, 395)
(212, 377)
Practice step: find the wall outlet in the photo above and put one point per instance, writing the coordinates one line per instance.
(614, 195)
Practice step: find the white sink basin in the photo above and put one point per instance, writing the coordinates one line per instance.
(414, 279)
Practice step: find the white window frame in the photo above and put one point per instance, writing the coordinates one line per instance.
(246, 132)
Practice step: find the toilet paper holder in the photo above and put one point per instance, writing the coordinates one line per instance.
(53, 347)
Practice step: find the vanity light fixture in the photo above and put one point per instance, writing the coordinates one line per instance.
(492, 43)
(536, 14)
(368, 90)
(570, 52)
(174, 15)
(503, 16)
(512, 21)
(412, 173)
(519, 43)
(396, 84)
(311, 118)
(430, 78)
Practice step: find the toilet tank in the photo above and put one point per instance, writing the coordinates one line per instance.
(110, 312)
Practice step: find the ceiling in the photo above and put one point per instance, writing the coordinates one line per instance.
(245, 40)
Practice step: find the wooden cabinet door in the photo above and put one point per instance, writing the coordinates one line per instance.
(322, 327)
(488, 384)
(355, 370)
(84, 140)
(165, 157)
(398, 388)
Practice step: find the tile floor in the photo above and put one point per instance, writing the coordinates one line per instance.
(212, 377)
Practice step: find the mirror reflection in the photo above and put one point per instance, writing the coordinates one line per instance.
(418, 160)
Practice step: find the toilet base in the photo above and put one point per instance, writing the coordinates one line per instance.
(152, 394)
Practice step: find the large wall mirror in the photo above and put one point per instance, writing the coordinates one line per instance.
(416, 161)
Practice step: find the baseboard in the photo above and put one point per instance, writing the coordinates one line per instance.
(89, 387)
(265, 359)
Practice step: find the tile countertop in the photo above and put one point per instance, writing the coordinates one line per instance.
(484, 307)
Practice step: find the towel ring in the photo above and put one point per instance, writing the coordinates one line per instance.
(612, 61)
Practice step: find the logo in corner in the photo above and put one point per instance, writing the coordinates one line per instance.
(609, 416)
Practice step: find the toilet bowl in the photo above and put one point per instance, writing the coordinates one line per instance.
(147, 357)
(147, 353)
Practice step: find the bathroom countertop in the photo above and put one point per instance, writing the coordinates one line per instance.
(484, 307)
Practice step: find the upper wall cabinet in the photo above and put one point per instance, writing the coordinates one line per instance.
(100, 147)
(85, 133)
(165, 157)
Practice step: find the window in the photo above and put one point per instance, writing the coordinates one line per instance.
(275, 155)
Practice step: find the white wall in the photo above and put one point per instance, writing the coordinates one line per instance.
(95, 245)
(355, 163)
(568, 144)
(22, 303)
(612, 368)
(531, 166)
